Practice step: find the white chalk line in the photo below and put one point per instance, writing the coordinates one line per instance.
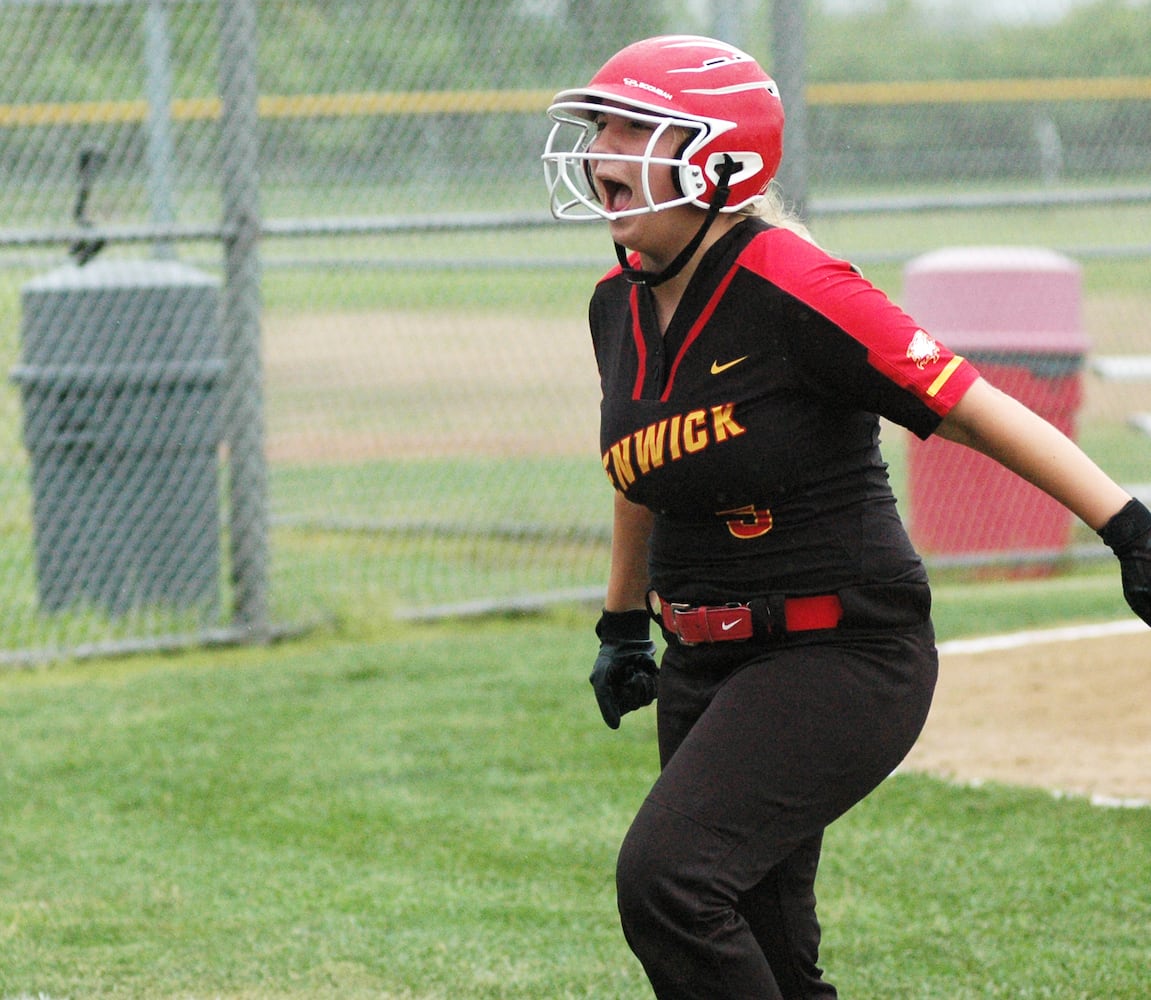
(1098, 800)
(1033, 637)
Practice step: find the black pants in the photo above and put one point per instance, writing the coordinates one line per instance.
(761, 748)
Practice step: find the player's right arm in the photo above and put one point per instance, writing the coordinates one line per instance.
(999, 426)
(1002, 428)
(628, 580)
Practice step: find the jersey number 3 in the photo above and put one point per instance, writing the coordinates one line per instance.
(747, 522)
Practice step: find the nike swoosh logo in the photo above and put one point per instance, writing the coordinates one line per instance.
(718, 369)
(728, 626)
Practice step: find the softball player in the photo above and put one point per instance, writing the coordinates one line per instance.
(743, 373)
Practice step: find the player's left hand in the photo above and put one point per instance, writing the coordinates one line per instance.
(1128, 534)
(625, 671)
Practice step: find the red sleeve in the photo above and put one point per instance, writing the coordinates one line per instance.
(897, 347)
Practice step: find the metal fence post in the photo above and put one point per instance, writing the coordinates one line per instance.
(244, 429)
(727, 18)
(161, 154)
(789, 57)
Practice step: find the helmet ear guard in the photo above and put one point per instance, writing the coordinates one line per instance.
(747, 165)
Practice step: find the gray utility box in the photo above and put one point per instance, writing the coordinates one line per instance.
(122, 380)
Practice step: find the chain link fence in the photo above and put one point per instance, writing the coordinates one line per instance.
(310, 351)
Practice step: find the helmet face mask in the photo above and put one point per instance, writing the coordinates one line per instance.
(569, 161)
(727, 106)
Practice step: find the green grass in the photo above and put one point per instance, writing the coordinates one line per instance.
(976, 603)
(433, 812)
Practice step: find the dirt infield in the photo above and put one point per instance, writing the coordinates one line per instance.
(360, 385)
(1071, 715)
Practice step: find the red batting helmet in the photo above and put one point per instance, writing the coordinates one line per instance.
(729, 105)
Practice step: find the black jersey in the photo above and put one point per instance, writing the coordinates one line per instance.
(751, 427)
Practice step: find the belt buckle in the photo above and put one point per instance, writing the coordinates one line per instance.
(678, 609)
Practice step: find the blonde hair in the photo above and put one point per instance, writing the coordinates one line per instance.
(773, 209)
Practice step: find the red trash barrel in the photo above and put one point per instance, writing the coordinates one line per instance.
(1015, 313)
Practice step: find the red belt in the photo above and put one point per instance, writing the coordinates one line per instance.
(730, 622)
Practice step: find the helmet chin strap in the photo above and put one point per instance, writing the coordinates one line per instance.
(718, 200)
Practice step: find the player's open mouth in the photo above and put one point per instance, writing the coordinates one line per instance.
(616, 196)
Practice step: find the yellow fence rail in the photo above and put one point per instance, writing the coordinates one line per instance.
(426, 102)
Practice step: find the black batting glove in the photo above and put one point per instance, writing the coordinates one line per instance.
(624, 675)
(1128, 534)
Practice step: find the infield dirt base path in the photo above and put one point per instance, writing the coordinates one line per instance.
(1072, 716)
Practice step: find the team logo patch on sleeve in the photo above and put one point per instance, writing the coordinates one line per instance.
(922, 350)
